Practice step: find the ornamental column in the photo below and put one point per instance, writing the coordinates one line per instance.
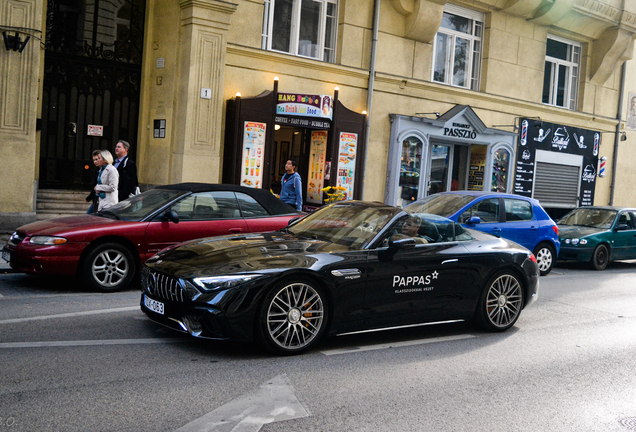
(204, 25)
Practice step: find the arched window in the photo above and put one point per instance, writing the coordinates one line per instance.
(410, 170)
(500, 170)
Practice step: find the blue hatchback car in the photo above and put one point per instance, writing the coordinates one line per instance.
(513, 217)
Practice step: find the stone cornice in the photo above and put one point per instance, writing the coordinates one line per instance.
(213, 5)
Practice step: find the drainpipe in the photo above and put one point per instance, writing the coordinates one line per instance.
(374, 46)
(617, 136)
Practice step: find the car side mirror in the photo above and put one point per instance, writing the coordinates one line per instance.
(171, 216)
(473, 220)
(622, 227)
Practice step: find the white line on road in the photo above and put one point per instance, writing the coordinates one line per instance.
(69, 315)
(395, 344)
(87, 343)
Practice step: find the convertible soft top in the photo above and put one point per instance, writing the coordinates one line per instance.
(265, 198)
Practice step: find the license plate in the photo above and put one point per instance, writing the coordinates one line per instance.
(153, 305)
(6, 255)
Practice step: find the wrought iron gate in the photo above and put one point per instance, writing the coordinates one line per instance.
(92, 77)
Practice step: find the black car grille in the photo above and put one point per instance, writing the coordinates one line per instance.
(160, 285)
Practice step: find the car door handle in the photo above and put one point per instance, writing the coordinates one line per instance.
(450, 261)
(496, 230)
(235, 230)
(533, 227)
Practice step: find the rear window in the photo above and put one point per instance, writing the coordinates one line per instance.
(517, 210)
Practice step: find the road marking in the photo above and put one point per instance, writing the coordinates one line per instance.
(274, 401)
(395, 344)
(69, 315)
(87, 343)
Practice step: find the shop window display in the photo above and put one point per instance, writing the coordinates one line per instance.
(500, 167)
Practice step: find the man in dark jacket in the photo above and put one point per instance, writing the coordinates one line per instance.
(127, 171)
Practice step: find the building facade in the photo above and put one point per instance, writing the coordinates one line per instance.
(392, 99)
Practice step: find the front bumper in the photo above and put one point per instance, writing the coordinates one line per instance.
(59, 260)
(198, 321)
(575, 253)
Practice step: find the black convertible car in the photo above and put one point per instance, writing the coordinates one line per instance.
(347, 267)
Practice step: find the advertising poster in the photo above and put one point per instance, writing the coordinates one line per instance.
(477, 168)
(318, 154)
(541, 135)
(347, 149)
(253, 152)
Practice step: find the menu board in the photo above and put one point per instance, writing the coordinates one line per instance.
(318, 152)
(476, 168)
(253, 152)
(347, 150)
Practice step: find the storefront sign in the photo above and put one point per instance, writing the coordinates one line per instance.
(302, 122)
(253, 152)
(460, 130)
(318, 154)
(347, 150)
(540, 135)
(304, 105)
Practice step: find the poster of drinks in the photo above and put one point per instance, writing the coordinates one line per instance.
(253, 152)
(317, 156)
(348, 144)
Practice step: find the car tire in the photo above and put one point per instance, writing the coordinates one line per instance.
(500, 302)
(108, 267)
(293, 317)
(600, 257)
(546, 257)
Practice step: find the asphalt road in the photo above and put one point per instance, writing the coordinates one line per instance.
(73, 360)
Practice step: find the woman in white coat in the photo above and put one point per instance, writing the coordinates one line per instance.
(107, 179)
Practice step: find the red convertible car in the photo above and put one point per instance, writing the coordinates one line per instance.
(107, 249)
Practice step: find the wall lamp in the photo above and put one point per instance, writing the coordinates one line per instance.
(14, 42)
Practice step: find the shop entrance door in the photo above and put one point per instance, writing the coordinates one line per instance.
(448, 167)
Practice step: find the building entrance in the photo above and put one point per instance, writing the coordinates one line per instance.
(91, 86)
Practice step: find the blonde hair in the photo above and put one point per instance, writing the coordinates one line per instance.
(107, 156)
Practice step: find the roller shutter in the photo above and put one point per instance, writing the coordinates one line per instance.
(556, 185)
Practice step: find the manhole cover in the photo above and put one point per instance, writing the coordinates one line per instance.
(628, 422)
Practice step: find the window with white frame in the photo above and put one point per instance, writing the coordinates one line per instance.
(301, 27)
(561, 76)
(458, 49)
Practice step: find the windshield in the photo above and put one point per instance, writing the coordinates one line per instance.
(440, 204)
(594, 218)
(142, 205)
(348, 225)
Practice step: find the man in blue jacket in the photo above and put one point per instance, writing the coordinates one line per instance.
(291, 191)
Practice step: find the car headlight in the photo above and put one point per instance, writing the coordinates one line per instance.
(47, 240)
(575, 241)
(223, 282)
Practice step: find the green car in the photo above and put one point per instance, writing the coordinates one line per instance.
(598, 235)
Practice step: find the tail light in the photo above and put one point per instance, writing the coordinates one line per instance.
(533, 258)
(555, 229)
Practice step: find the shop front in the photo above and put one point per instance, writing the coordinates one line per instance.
(455, 151)
(556, 164)
(325, 138)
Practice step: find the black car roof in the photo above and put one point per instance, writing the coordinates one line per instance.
(265, 198)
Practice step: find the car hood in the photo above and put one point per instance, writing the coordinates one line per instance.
(261, 253)
(71, 224)
(573, 231)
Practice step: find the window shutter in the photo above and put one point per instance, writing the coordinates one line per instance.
(556, 185)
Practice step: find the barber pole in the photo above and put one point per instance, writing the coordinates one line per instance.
(524, 132)
(596, 138)
(601, 166)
